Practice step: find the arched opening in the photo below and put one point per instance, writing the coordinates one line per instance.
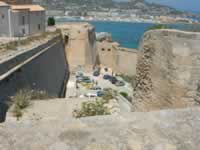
(66, 39)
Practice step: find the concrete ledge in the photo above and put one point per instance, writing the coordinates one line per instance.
(15, 62)
(166, 130)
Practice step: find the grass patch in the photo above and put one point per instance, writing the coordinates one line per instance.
(23, 98)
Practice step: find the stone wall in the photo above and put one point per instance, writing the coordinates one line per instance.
(168, 70)
(80, 44)
(41, 68)
(121, 60)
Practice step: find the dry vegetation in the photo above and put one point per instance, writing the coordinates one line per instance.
(23, 98)
(24, 41)
(95, 108)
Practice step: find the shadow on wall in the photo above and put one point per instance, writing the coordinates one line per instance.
(47, 72)
(3, 111)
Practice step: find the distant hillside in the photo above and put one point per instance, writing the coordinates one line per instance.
(140, 5)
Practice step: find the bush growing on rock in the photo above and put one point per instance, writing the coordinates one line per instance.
(21, 100)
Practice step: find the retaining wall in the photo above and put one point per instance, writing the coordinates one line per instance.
(121, 60)
(42, 68)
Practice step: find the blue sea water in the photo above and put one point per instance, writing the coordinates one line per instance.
(127, 34)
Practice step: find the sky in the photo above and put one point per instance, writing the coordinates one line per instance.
(186, 5)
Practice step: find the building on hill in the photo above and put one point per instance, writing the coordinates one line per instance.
(19, 18)
(17, 2)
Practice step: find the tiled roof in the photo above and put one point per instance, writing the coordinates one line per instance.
(30, 7)
(3, 4)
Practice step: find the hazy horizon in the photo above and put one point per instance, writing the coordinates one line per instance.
(184, 5)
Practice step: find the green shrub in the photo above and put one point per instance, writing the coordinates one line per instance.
(124, 94)
(159, 26)
(94, 108)
(51, 21)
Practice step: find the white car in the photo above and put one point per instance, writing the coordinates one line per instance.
(91, 95)
(81, 96)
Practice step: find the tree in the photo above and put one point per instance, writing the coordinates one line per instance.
(51, 21)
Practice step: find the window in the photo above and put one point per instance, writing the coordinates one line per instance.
(103, 49)
(109, 49)
(39, 27)
(23, 20)
(2, 16)
(23, 32)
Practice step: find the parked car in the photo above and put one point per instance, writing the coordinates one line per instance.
(100, 93)
(96, 88)
(81, 96)
(91, 95)
(106, 77)
(113, 80)
(96, 73)
(79, 79)
(85, 78)
(87, 81)
(79, 74)
(120, 83)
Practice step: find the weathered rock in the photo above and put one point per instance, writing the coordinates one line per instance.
(168, 69)
(162, 130)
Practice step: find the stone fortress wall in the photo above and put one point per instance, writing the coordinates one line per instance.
(168, 70)
(80, 44)
(42, 68)
(121, 60)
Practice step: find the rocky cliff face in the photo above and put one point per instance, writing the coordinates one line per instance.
(168, 70)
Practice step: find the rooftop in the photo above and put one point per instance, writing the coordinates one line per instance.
(30, 7)
(3, 4)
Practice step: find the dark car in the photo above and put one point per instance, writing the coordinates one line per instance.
(100, 93)
(106, 77)
(96, 73)
(113, 80)
(96, 88)
(85, 78)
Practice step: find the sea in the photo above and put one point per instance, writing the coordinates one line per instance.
(127, 34)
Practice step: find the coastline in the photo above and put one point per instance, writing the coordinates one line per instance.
(128, 20)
